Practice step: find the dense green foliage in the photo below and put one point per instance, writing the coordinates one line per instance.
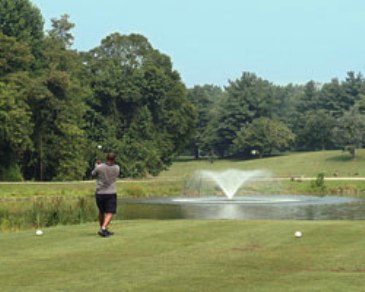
(253, 115)
(58, 104)
(262, 136)
(142, 102)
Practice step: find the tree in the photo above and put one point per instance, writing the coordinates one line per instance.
(22, 20)
(315, 130)
(263, 135)
(353, 87)
(333, 99)
(204, 99)
(57, 99)
(247, 98)
(141, 148)
(60, 31)
(15, 114)
(350, 130)
(134, 82)
(15, 56)
(15, 131)
(309, 99)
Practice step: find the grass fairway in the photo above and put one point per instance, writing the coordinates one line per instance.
(184, 255)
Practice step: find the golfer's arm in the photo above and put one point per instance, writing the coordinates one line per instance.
(94, 172)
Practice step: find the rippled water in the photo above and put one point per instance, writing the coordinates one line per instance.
(245, 208)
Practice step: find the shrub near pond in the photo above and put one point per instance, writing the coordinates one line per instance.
(45, 212)
(318, 184)
(61, 210)
(134, 191)
(13, 173)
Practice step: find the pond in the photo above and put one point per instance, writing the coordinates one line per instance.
(17, 214)
(244, 208)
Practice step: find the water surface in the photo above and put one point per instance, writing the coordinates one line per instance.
(245, 208)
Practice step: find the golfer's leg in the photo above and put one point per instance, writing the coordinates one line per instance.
(107, 219)
(101, 219)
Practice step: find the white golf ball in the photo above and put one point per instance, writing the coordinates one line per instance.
(298, 234)
(99, 146)
(39, 232)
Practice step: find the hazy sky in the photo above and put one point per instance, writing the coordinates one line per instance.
(213, 41)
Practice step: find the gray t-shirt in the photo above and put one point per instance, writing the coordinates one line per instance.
(106, 177)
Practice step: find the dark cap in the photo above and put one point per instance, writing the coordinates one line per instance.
(111, 156)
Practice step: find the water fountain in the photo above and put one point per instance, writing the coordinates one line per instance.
(229, 181)
(219, 195)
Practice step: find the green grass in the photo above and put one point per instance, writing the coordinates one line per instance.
(174, 181)
(29, 189)
(184, 255)
(308, 164)
(187, 255)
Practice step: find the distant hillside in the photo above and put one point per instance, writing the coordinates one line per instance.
(308, 164)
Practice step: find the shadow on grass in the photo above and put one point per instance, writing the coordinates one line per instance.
(344, 158)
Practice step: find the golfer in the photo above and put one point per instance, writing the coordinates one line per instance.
(106, 192)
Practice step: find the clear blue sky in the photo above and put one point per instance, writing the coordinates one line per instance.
(213, 41)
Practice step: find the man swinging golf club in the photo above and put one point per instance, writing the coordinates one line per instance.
(106, 192)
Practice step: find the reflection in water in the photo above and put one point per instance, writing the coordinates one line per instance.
(266, 207)
(128, 210)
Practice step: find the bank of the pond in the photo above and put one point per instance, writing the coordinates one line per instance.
(126, 188)
(162, 187)
(39, 212)
(297, 173)
(33, 205)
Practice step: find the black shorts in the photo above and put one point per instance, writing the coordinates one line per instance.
(107, 203)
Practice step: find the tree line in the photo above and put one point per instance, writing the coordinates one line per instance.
(254, 117)
(57, 105)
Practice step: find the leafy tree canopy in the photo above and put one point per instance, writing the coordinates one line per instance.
(263, 135)
(22, 20)
(128, 75)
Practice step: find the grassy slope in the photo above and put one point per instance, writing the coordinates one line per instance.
(308, 164)
(304, 164)
(185, 255)
(172, 181)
